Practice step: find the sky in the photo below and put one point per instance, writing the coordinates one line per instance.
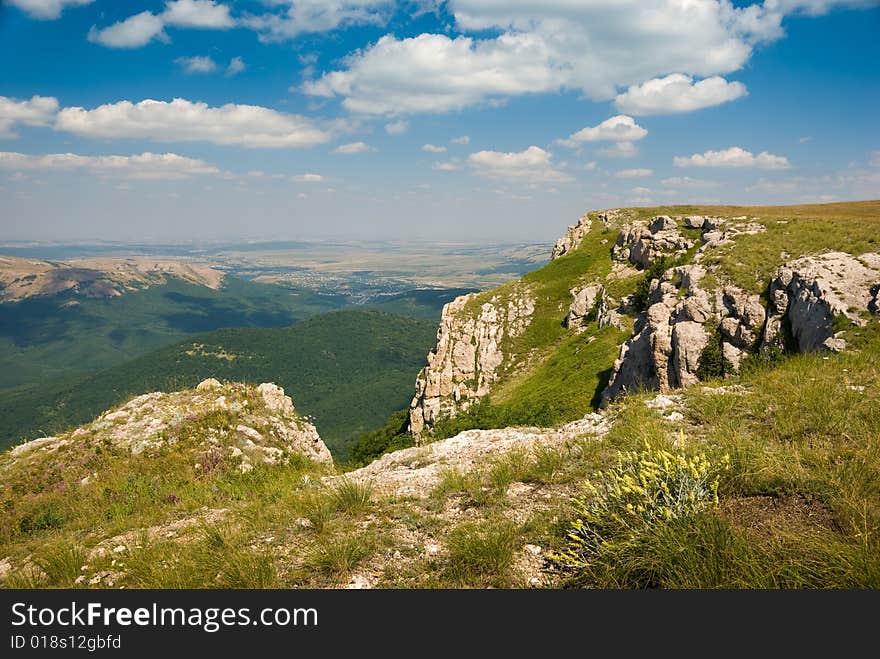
(459, 120)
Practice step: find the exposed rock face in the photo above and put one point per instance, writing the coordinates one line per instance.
(261, 426)
(813, 290)
(593, 303)
(416, 472)
(583, 307)
(671, 334)
(469, 353)
(574, 235)
(572, 238)
(641, 244)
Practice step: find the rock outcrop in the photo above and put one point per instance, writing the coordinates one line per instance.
(592, 303)
(681, 318)
(641, 244)
(811, 292)
(574, 235)
(469, 353)
(233, 423)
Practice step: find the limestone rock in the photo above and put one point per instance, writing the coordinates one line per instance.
(573, 237)
(670, 335)
(208, 385)
(583, 307)
(641, 244)
(694, 221)
(465, 363)
(813, 290)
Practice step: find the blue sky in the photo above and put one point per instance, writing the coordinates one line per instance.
(461, 119)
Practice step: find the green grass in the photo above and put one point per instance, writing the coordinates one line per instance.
(481, 553)
(339, 554)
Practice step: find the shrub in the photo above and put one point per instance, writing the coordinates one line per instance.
(713, 363)
(646, 487)
(391, 437)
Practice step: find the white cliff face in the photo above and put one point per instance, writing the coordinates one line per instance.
(573, 237)
(468, 357)
(810, 292)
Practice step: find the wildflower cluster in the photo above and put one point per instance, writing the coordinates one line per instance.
(644, 488)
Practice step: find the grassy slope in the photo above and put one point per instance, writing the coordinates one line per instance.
(348, 369)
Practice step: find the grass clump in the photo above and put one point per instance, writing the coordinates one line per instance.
(352, 496)
(339, 554)
(481, 553)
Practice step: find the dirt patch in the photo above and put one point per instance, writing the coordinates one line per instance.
(767, 516)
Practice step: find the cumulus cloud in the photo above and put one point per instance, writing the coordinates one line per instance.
(397, 127)
(633, 173)
(185, 121)
(196, 64)
(447, 166)
(140, 29)
(616, 129)
(47, 9)
(295, 17)
(236, 66)
(434, 73)
(433, 148)
(678, 93)
(309, 178)
(205, 14)
(687, 182)
(733, 157)
(143, 166)
(534, 165)
(619, 150)
(134, 32)
(464, 139)
(537, 46)
(354, 147)
(38, 111)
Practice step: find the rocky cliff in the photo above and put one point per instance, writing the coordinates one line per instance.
(469, 353)
(661, 277)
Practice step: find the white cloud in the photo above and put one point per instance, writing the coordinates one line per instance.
(140, 29)
(633, 173)
(236, 66)
(38, 111)
(205, 14)
(687, 182)
(185, 121)
(433, 73)
(197, 64)
(397, 127)
(306, 16)
(616, 129)
(433, 148)
(534, 165)
(464, 139)
(874, 158)
(143, 166)
(591, 46)
(47, 9)
(134, 32)
(678, 93)
(733, 157)
(805, 139)
(309, 178)
(448, 166)
(619, 150)
(354, 147)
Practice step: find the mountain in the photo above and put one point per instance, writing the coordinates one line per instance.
(685, 397)
(44, 337)
(348, 370)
